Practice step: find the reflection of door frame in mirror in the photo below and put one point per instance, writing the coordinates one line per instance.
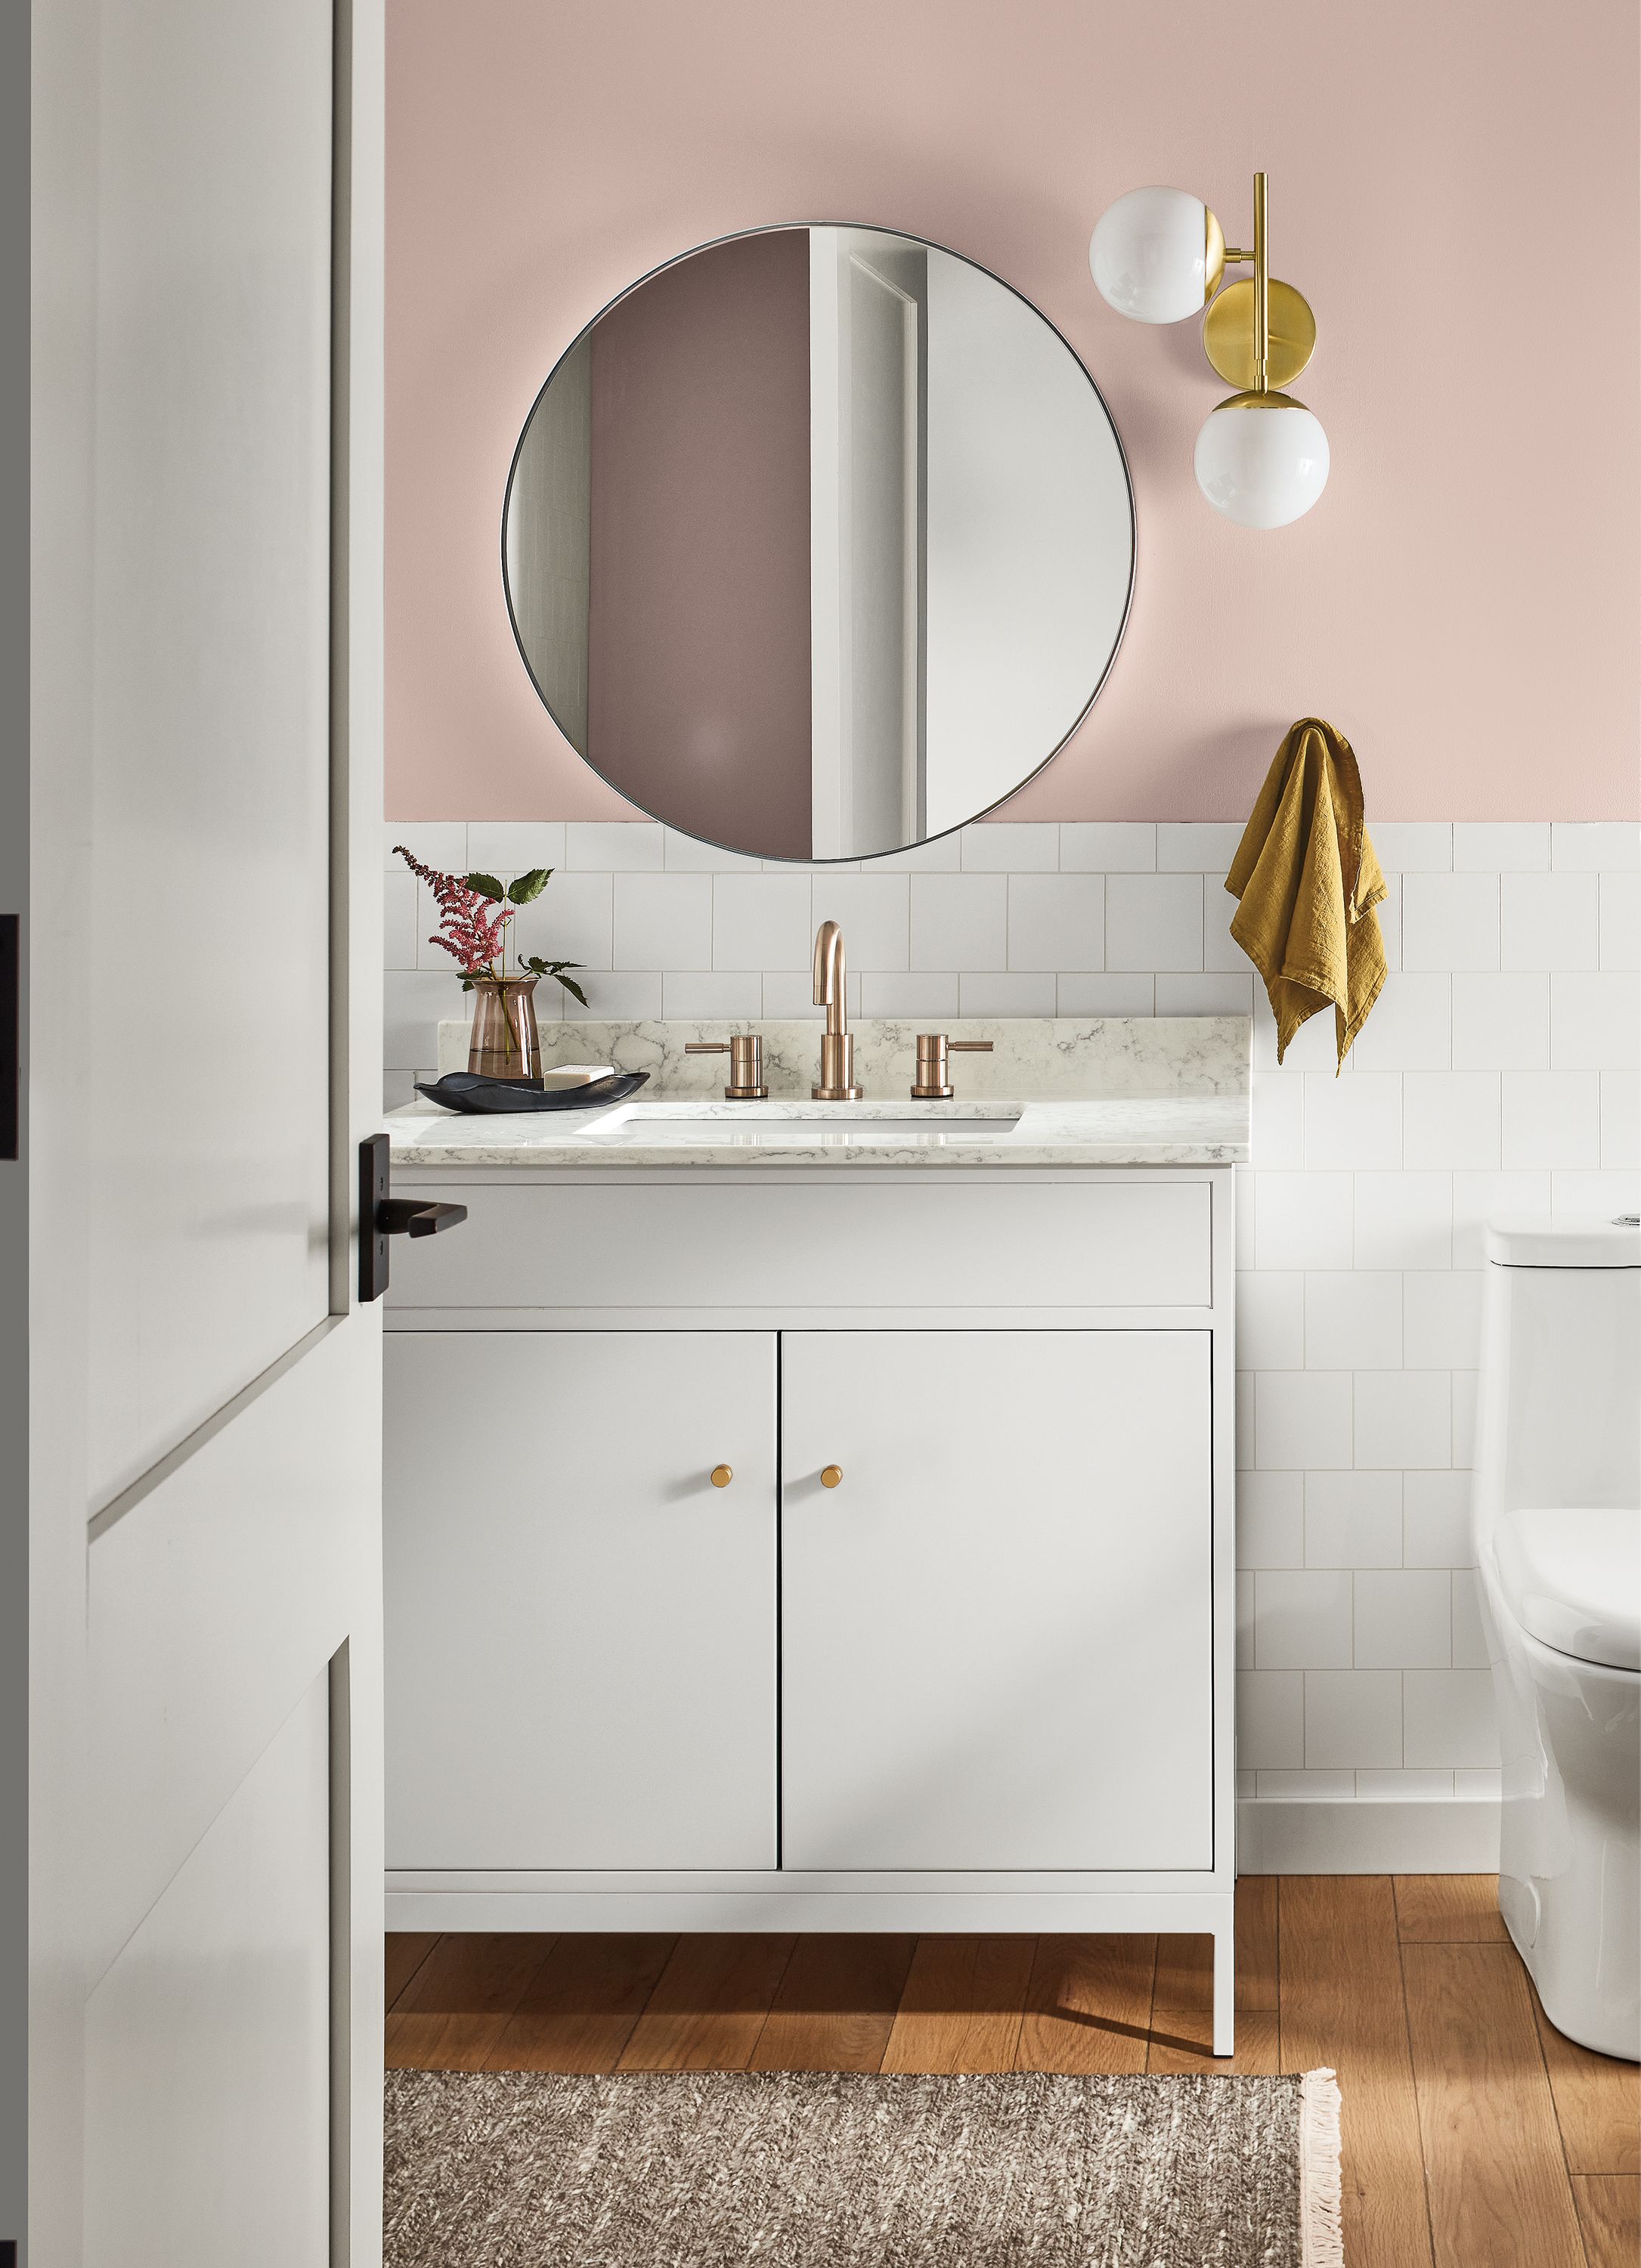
(857, 366)
(887, 237)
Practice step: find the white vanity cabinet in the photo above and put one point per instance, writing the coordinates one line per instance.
(982, 1682)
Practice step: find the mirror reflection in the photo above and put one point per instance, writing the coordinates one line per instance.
(817, 543)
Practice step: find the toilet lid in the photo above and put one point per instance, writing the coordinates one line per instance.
(1573, 1577)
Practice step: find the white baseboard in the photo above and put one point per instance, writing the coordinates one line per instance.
(1362, 1837)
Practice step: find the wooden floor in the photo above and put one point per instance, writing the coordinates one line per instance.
(1474, 2135)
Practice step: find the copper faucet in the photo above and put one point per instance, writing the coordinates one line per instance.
(837, 1045)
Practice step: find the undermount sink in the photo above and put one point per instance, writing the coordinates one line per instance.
(793, 1124)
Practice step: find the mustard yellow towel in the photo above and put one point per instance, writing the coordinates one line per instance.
(1308, 880)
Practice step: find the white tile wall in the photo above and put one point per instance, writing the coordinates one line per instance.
(1498, 1072)
(1550, 921)
(1500, 1022)
(1450, 921)
(1353, 1519)
(1154, 922)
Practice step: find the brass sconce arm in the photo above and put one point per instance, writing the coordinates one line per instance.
(1259, 334)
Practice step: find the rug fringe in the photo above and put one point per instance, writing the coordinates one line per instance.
(1321, 2240)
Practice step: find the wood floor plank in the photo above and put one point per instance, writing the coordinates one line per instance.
(1598, 2101)
(1185, 1965)
(1609, 2215)
(836, 2006)
(1449, 1910)
(962, 2005)
(1088, 2004)
(1256, 1943)
(1185, 1971)
(1342, 2007)
(1182, 2040)
(1499, 2194)
(403, 1952)
(456, 2007)
(578, 2010)
(708, 2005)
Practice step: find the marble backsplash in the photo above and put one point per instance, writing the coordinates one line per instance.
(1032, 1057)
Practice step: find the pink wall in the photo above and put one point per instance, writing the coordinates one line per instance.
(698, 696)
(1454, 187)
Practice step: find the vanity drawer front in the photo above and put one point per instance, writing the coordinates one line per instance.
(843, 1243)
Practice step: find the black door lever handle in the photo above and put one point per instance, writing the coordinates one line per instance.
(381, 1216)
(410, 1217)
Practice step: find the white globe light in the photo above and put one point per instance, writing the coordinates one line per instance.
(1262, 459)
(1149, 254)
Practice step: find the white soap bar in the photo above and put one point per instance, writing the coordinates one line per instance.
(575, 1074)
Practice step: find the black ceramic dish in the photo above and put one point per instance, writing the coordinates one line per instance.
(475, 1097)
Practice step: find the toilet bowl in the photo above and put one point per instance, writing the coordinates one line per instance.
(1556, 1520)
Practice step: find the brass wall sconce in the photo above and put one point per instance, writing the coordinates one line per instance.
(1159, 254)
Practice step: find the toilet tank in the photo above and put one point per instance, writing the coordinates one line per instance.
(1559, 1417)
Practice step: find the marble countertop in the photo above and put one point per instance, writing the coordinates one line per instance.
(1116, 1130)
(1104, 1090)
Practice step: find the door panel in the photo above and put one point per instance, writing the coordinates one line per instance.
(209, 861)
(997, 1649)
(204, 836)
(581, 1628)
(209, 1606)
(207, 2044)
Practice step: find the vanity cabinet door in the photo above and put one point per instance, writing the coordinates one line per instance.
(996, 1644)
(580, 1627)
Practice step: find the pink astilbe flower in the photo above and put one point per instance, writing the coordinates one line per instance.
(472, 927)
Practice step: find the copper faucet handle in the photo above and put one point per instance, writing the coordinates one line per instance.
(745, 1051)
(932, 1083)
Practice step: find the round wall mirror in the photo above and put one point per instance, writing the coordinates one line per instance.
(817, 543)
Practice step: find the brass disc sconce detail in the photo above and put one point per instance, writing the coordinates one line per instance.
(1228, 335)
(1158, 255)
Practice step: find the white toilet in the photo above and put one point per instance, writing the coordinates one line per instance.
(1557, 1530)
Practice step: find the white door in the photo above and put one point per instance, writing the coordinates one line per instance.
(580, 1624)
(868, 382)
(204, 1057)
(995, 1642)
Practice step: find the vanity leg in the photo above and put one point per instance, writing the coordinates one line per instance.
(1225, 1990)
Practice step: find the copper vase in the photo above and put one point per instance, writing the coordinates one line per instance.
(504, 1042)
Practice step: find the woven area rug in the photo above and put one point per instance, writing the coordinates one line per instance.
(822, 2169)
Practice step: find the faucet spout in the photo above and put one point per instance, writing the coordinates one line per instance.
(837, 1042)
(830, 990)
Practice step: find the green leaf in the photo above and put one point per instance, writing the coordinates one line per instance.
(486, 885)
(556, 971)
(529, 887)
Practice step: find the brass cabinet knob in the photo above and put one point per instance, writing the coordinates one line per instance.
(830, 1476)
(722, 1476)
